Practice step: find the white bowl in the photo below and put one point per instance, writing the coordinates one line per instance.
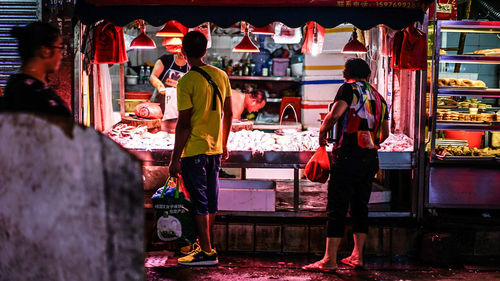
(297, 69)
(132, 79)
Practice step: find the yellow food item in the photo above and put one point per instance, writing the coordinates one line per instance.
(487, 51)
(443, 82)
(478, 83)
(453, 82)
(465, 82)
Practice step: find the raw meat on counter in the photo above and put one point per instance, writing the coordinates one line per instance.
(258, 141)
(397, 143)
(131, 137)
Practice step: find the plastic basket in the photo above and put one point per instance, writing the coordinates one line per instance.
(279, 66)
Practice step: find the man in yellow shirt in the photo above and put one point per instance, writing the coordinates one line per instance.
(203, 126)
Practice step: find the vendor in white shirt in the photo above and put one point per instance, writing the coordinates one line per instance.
(244, 103)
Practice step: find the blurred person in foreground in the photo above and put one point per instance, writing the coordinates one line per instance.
(362, 124)
(41, 50)
(201, 134)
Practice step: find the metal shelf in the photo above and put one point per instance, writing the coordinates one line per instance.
(469, 59)
(273, 100)
(468, 127)
(267, 78)
(471, 26)
(487, 93)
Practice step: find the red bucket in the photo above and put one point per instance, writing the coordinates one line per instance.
(472, 137)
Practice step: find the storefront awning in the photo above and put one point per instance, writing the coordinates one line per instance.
(363, 14)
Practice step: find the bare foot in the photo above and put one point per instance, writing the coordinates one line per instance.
(353, 261)
(321, 265)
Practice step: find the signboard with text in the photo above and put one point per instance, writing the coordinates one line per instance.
(409, 4)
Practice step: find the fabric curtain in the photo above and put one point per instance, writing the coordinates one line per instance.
(103, 107)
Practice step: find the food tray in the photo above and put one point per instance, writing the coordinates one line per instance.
(466, 158)
(462, 88)
(492, 54)
(461, 122)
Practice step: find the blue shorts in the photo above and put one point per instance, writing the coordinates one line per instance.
(201, 178)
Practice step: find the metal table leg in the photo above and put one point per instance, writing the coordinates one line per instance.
(296, 188)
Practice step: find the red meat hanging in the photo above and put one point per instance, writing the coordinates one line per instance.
(396, 49)
(109, 44)
(413, 49)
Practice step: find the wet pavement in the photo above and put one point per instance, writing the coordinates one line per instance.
(265, 266)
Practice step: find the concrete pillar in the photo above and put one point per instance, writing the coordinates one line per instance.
(71, 205)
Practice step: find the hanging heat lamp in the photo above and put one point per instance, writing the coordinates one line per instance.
(142, 41)
(168, 41)
(266, 30)
(354, 46)
(172, 29)
(246, 45)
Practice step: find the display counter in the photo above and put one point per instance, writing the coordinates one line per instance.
(276, 160)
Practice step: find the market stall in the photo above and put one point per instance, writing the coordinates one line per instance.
(286, 148)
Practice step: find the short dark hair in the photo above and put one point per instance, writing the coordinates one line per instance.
(194, 44)
(33, 36)
(356, 68)
(259, 96)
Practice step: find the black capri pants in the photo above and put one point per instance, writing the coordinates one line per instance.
(350, 185)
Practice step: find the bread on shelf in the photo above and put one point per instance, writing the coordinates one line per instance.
(487, 51)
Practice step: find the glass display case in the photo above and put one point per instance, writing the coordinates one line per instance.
(465, 117)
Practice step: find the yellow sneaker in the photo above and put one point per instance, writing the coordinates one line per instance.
(199, 257)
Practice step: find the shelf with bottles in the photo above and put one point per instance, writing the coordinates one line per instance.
(267, 78)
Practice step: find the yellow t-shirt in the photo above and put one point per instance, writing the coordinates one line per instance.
(194, 92)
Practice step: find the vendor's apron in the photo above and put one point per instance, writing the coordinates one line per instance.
(168, 101)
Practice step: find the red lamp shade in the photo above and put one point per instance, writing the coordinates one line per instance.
(354, 46)
(142, 42)
(267, 30)
(172, 29)
(246, 45)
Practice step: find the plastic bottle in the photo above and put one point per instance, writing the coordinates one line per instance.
(265, 69)
(240, 68)
(148, 73)
(270, 67)
(141, 75)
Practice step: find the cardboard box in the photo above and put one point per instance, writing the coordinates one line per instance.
(311, 112)
(325, 64)
(336, 38)
(321, 88)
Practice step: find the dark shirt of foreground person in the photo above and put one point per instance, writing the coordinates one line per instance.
(25, 93)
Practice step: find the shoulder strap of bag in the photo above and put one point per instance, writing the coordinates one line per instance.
(217, 93)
